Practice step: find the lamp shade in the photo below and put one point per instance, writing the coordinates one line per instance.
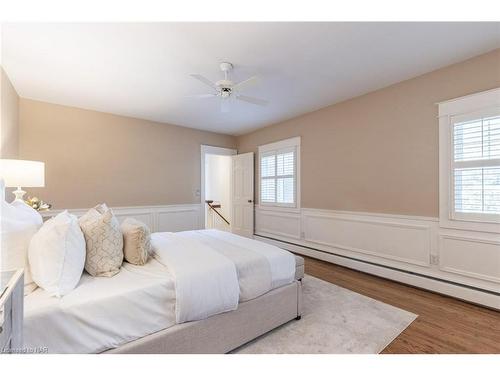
(22, 173)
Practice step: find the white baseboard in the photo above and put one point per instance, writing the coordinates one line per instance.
(462, 292)
(164, 218)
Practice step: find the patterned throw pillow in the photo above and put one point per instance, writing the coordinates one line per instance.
(136, 241)
(104, 241)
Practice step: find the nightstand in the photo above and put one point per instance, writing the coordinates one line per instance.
(11, 311)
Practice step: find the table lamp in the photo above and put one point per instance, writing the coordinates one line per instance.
(22, 173)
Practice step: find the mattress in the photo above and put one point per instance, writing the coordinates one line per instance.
(101, 313)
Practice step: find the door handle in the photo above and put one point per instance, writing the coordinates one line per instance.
(250, 201)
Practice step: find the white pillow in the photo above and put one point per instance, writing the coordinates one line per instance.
(19, 223)
(57, 255)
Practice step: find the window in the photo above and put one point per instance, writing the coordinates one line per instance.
(278, 165)
(476, 166)
(469, 153)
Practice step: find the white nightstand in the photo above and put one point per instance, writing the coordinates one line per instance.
(11, 311)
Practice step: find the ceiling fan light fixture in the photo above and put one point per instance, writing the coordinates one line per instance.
(225, 92)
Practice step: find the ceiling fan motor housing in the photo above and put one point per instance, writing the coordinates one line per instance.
(224, 83)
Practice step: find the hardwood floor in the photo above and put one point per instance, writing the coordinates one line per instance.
(444, 324)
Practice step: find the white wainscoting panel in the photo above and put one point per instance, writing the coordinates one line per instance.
(408, 243)
(144, 215)
(398, 239)
(276, 222)
(178, 218)
(168, 218)
(472, 257)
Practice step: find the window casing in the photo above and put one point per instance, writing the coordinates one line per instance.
(469, 162)
(279, 173)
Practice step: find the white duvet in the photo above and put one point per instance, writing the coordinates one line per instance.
(214, 270)
(206, 282)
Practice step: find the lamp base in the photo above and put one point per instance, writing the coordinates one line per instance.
(19, 194)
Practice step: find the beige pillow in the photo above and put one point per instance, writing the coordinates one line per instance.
(136, 241)
(104, 241)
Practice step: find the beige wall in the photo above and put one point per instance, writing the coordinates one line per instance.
(9, 133)
(94, 157)
(375, 153)
(379, 152)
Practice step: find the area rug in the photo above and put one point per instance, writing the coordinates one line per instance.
(334, 320)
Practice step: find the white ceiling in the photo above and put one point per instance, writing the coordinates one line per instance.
(142, 70)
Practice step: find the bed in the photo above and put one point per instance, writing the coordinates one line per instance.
(135, 311)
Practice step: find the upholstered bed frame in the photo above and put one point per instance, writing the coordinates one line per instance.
(225, 332)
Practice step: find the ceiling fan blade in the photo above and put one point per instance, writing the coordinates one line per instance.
(250, 99)
(225, 105)
(247, 83)
(201, 96)
(206, 81)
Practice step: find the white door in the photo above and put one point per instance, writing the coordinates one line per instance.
(242, 194)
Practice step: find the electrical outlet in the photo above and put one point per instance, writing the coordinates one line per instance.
(302, 235)
(434, 259)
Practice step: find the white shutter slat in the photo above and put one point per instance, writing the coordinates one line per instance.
(477, 140)
(285, 164)
(491, 190)
(268, 190)
(285, 190)
(267, 166)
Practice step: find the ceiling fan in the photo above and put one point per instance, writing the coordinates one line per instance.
(226, 90)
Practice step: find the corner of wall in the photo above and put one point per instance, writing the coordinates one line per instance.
(9, 118)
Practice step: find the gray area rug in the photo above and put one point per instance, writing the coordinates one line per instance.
(334, 321)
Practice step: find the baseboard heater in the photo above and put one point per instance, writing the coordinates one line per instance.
(416, 274)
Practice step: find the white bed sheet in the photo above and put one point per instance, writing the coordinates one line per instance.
(101, 313)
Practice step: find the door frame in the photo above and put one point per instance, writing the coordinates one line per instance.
(209, 150)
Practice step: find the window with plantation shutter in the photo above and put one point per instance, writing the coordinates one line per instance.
(278, 166)
(469, 162)
(476, 166)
